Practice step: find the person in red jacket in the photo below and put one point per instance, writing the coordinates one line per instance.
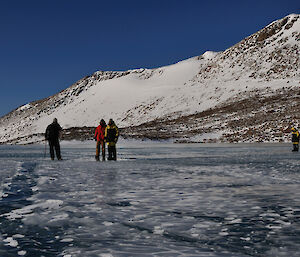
(99, 137)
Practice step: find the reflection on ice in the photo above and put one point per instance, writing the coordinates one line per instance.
(157, 200)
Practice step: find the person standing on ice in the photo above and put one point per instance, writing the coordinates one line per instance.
(295, 139)
(52, 134)
(99, 137)
(111, 137)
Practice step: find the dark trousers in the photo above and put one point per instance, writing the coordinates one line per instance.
(54, 144)
(112, 153)
(102, 144)
(295, 147)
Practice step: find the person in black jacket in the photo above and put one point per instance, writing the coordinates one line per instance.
(295, 139)
(52, 135)
(111, 138)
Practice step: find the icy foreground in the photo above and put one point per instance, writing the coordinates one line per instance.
(157, 200)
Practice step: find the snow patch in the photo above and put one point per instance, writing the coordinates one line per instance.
(209, 55)
(25, 107)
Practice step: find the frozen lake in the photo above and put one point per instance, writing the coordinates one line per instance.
(156, 200)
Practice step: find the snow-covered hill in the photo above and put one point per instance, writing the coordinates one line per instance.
(189, 95)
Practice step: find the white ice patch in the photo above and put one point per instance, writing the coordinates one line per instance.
(45, 180)
(284, 223)
(18, 236)
(6, 185)
(140, 217)
(35, 189)
(234, 221)
(107, 224)
(246, 238)
(58, 217)
(223, 233)
(67, 240)
(11, 242)
(20, 213)
(22, 253)
(202, 225)
(158, 230)
(274, 227)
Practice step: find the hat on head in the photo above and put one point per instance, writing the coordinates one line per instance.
(111, 122)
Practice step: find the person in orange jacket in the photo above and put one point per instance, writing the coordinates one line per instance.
(99, 137)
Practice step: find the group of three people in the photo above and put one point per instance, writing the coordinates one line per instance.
(109, 134)
(103, 134)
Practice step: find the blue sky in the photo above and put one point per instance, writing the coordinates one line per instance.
(45, 46)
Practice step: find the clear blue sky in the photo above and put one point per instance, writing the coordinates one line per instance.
(45, 46)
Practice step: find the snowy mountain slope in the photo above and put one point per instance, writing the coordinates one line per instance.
(130, 97)
(272, 53)
(262, 64)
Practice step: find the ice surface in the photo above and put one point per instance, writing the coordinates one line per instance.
(156, 200)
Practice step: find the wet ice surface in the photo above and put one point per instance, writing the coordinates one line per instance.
(157, 200)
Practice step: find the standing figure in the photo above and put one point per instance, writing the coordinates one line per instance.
(52, 134)
(111, 137)
(99, 137)
(295, 139)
